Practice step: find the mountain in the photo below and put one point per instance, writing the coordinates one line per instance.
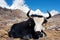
(8, 16)
(11, 14)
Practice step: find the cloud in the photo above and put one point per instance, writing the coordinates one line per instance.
(3, 4)
(54, 12)
(19, 4)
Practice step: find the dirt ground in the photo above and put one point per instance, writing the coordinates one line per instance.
(51, 35)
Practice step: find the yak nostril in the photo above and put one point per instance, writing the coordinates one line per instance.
(38, 32)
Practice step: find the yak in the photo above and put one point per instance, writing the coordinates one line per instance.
(31, 28)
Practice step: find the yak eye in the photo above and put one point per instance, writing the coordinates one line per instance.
(29, 23)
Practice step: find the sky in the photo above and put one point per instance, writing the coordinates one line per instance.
(9, 2)
(43, 5)
(36, 6)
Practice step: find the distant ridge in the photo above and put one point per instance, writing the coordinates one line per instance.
(11, 14)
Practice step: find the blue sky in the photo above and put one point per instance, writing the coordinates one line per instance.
(43, 5)
(9, 2)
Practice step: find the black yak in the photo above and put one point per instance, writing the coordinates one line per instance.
(32, 28)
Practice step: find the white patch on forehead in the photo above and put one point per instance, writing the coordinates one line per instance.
(38, 20)
(38, 23)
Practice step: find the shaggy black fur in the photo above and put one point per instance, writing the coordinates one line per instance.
(24, 30)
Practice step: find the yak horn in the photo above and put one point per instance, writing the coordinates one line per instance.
(49, 15)
(28, 13)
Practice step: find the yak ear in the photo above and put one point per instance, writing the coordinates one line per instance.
(28, 13)
(49, 15)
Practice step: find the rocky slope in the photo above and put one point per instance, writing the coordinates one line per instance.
(54, 22)
(8, 17)
(52, 28)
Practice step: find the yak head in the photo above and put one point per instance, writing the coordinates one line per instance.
(38, 20)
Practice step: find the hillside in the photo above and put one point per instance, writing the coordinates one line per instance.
(54, 22)
(11, 16)
(8, 17)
